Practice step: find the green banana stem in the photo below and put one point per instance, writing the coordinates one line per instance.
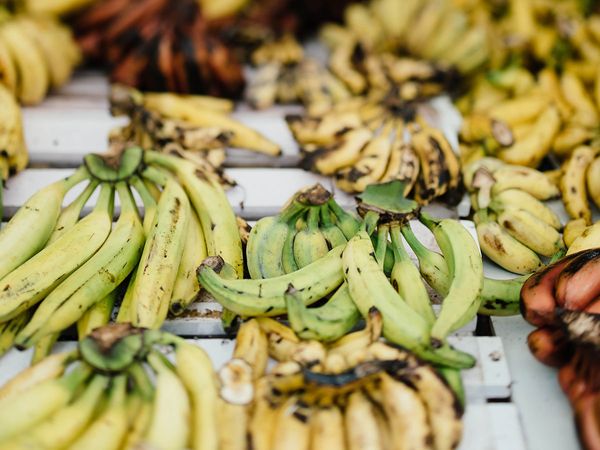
(349, 224)
(76, 177)
(145, 194)
(128, 205)
(312, 222)
(106, 198)
(84, 196)
(326, 216)
(382, 244)
(400, 253)
(413, 242)
(141, 381)
(156, 175)
(370, 222)
(429, 221)
(292, 211)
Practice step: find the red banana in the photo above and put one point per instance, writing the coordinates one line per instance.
(579, 282)
(587, 418)
(549, 346)
(537, 294)
(593, 307)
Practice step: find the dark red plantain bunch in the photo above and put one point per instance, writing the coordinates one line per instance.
(164, 45)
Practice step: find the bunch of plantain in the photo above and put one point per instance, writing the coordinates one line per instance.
(117, 389)
(514, 227)
(195, 127)
(355, 392)
(70, 265)
(562, 302)
(37, 54)
(13, 150)
(435, 30)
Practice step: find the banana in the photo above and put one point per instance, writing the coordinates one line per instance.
(332, 233)
(573, 229)
(345, 152)
(589, 238)
(438, 140)
(266, 297)
(292, 429)
(443, 407)
(569, 138)
(310, 244)
(109, 428)
(593, 181)
(466, 269)
(57, 62)
(267, 239)
(32, 73)
(362, 432)
(530, 231)
(29, 229)
(322, 130)
(44, 347)
(344, 220)
(49, 368)
(340, 64)
(370, 166)
(186, 288)
(327, 429)
(243, 137)
(12, 140)
(161, 256)
(194, 368)
(97, 315)
(487, 163)
(573, 183)
(262, 91)
(522, 109)
(535, 146)
(70, 214)
(405, 278)
(94, 280)
(576, 95)
(10, 329)
(169, 427)
(434, 173)
(138, 425)
(263, 417)
(325, 323)
(36, 278)
(369, 287)
(529, 180)
(404, 408)
(8, 70)
(21, 411)
(148, 200)
(210, 202)
(470, 52)
(448, 34)
(61, 429)
(425, 25)
(502, 248)
(516, 198)
(251, 345)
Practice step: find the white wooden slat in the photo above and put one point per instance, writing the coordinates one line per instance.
(493, 426)
(260, 192)
(220, 351)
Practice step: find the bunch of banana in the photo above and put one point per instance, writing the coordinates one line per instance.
(513, 116)
(37, 54)
(365, 142)
(435, 30)
(13, 150)
(356, 392)
(514, 227)
(196, 127)
(66, 267)
(115, 390)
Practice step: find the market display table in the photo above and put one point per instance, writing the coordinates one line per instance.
(513, 402)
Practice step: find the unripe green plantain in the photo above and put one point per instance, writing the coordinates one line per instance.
(309, 243)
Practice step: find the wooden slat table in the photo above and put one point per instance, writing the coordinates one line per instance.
(500, 394)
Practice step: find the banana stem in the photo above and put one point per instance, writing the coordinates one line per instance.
(428, 221)
(413, 242)
(147, 198)
(292, 211)
(84, 196)
(141, 381)
(118, 390)
(326, 216)
(106, 198)
(156, 175)
(370, 222)
(382, 241)
(400, 253)
(312, 222)
(128, 205)
(76, 177)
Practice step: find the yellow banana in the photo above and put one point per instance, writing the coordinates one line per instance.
(97, 315)
(573, 229)
(327, 429)
(10, 329)
(517, 198)
(251, 345)
(576, 95)
(593, 181)
(362, 432)
(573, 183)
(529, 180)
(292, 430)
(589, 238)
(344, 153)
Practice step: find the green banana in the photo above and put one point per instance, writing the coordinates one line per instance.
(29, 229)
(369, 287)
(266, 241)
(36, 278)
(332, 233)
(157, 271)
(325, 323)
(70, 214)
(209, 200)
(148, 201)
(344, 220)
(406, 279)
(309, 243)
(94, 280)
(498, 297)
(288, 262)
(10, 329)
(466, 271)
(266, 297)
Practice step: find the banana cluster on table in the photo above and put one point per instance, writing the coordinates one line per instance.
(116, 390)
(561, 300)
(362, 142)
(70, 265)
(515, 228)
(198, 128)
(37, 54)
(355, 391)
